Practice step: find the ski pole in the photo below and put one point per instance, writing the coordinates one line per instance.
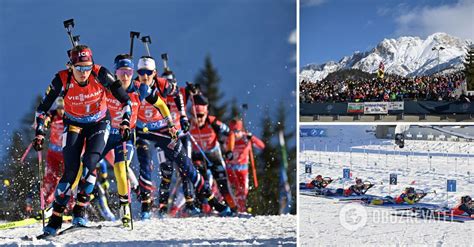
(41, 190)
(179, 136)
(132, 38)
(26, 152)
(252, 161)
(200, 149)
(125, 160)
(146, 41)
(69, 25)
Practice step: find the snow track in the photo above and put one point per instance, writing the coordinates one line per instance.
(331, 222)
(259, 230)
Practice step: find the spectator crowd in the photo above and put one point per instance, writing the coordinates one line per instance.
(394, 88)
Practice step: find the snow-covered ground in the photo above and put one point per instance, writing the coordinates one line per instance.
(329, 222)
(259, 230)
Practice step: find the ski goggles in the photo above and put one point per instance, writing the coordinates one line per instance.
(142, 72)
(122, 72)
(200, 115)
(83, 68)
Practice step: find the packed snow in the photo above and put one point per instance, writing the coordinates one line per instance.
(260, 230)
(406, 56)
(326, 222)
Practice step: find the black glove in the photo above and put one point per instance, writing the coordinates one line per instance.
(197, 156)
(191, 88)
(39, 132)
(229, 155)
(184, 123)
(125, 128)
(249, 136)
(38, 142)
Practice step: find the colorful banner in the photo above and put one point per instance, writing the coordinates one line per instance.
(355, 108)
(375, 108)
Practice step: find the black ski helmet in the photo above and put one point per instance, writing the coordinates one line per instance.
(466, 199)
(410, 190)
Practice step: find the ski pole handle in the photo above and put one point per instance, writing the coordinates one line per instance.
(132, 38)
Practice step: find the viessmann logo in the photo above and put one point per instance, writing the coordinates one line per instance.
(82, 97)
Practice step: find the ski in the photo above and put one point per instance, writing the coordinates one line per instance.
(26, 222)
(427, 217)
(414, 208)
(19, 223)
(72, 228)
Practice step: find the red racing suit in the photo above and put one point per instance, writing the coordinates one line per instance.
(237, 168)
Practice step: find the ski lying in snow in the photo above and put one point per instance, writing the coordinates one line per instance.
(408, 206)
(415, 208)
(72, 228)
(432, 217)
(27, 222)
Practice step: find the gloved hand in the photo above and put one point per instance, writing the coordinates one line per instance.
(125, 130)
(38, 142)
(173, 131)
(39, 132)
(249, 136)
(184, 123)
(229, 155)
(125, 124)
(191, 88)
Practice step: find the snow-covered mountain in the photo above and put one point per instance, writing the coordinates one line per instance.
(406, 56)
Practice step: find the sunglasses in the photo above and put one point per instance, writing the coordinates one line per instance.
(200, 115)
(83, 68)
(122, 72)
(145, 71)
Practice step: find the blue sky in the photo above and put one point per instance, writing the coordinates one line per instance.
(247, 40)
(331, 29)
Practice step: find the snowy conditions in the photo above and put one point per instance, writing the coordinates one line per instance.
(258, 230)
(331, 222)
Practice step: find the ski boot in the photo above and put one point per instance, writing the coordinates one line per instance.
(53, 226)
(79, 216)
(226, 212)
(146, 206)
(190, 210)
(55, 221)
(79, 211)
(163, 211)
(126, 216)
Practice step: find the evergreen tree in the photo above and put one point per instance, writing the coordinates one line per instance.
(469, 67)
(234, 110)
(208, 80)
(291, 159)
(264, 199)
(23, 177)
